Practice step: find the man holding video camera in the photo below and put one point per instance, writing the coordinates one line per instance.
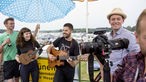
(133, 67)
(116, 19)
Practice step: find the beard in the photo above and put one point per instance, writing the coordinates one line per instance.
(65, 35)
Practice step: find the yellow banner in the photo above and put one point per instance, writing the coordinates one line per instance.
(46, 74)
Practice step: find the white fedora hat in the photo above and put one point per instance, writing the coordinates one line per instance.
(117, 11)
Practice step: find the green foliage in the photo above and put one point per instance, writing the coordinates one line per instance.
(131, 28)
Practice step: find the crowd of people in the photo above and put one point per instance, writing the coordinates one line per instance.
(128, 64)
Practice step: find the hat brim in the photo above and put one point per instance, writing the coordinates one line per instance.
(121, 14)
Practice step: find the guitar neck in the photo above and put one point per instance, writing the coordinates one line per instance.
(66, 57)
(34, 52)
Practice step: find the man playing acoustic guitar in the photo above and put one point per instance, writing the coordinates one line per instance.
(65, 72)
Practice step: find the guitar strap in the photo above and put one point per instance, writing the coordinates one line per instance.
(68, 52)
(70, 45)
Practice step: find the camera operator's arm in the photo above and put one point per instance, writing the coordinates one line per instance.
(51, 57)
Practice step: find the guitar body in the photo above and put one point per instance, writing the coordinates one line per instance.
(26, 58)
(56, 53)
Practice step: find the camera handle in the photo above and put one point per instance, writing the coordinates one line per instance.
(106, 69)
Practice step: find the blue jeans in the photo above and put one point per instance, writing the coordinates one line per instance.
(26, 70)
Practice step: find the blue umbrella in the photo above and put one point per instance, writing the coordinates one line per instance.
(36, 10)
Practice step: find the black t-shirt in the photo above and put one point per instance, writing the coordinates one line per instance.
(71, 47)
(28, 45)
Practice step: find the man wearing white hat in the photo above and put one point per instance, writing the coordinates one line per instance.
(116, 19)
(133, 67)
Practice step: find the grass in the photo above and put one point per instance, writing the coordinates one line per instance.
(84, 73)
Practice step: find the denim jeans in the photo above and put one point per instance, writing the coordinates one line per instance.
(30, 69)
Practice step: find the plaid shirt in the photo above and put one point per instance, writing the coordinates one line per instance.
(131, 70)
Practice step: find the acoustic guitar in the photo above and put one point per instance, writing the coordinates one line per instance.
(28, 57)
(62, 55)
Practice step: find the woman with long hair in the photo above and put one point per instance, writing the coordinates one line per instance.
(25, 43)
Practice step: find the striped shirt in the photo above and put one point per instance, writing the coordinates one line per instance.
(131, 69)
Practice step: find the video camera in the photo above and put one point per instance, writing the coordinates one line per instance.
(101, 46)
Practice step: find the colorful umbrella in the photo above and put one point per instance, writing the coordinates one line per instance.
(36, 10)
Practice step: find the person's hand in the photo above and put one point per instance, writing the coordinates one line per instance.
(83, 57)
(17, 58)
(7, 41)
(1, 48)
(51, 57)
(71, 62)
(36, 56)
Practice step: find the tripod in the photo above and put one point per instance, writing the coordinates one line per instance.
(106, 69)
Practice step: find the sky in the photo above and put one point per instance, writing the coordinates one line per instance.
(97, 15)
